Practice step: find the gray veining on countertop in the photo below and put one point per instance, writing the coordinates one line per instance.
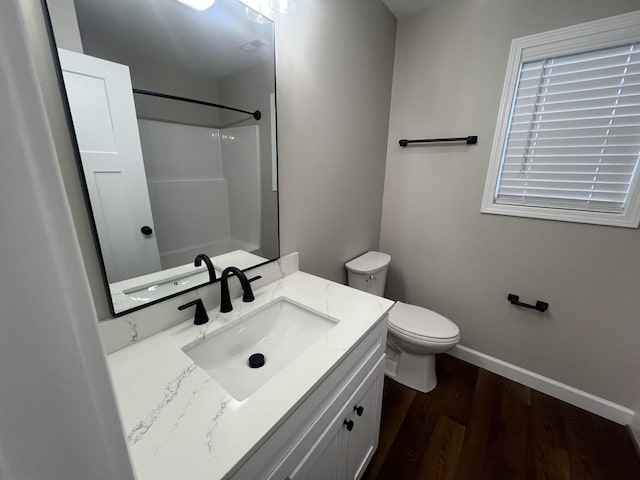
(183, 424)
(214, 421)
(170, 392)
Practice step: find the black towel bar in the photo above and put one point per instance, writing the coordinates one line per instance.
(515, 300)
(471, 140)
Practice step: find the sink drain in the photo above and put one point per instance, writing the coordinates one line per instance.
(256, 360)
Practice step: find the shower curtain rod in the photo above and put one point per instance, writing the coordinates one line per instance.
(257, 115)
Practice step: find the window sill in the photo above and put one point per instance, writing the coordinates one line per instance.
(574, 216)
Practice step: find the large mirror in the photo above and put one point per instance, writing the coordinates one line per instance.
(174, 114)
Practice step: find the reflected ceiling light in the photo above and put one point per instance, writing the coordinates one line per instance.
(254, 16)
(198, 4)
(281, 6)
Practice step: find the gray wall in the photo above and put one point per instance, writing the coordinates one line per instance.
(63, 16)
(334, 65)
(58, 414)
(148, 75)
(449, 70)
(145, 75)
(249, 90)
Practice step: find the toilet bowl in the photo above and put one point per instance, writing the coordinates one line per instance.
(415, 334)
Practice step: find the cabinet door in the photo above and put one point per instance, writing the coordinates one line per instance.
(346, 446)
(322, 462)
(362, 440)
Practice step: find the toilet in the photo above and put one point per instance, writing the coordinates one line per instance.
(415, 334)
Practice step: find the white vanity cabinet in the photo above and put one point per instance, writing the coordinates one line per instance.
(333, 432)
(344, 449)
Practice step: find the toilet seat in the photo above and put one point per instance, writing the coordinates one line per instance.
(422, 324)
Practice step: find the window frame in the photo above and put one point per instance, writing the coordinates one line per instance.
(609, 32)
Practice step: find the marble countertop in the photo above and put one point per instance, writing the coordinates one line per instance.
(181, 424)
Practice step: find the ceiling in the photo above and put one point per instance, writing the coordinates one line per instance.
(404, 8)
(169, 33)
(204, 43)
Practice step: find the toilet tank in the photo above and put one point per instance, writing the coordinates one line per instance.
(368, 272)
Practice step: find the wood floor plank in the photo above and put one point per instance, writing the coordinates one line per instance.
(581, 445)
(456, 384)
(549, 438)
(405, 455)
(516, 391)
(509, 451)
(440, 461)
(452, 397)
(559, 466)
(635, 441)
(395, 405)
(613, 450)
(479, 426)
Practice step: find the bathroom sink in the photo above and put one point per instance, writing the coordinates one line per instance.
(279, 331)
(168, 286)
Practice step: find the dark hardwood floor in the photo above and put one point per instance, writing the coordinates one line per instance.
(477, 425)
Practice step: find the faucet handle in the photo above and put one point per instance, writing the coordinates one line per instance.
(247, 294)
(201, 316)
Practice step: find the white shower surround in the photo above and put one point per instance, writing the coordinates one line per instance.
(224, 173)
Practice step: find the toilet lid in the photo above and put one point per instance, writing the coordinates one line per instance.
(421, 322)
(370, 262)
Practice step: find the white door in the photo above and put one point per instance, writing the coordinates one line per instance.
(104, 118)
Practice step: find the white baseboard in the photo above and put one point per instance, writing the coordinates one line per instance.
(579, 398)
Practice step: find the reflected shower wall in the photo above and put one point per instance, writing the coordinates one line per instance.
(204, 189)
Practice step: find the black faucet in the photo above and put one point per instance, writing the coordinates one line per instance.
(212, 271)
(247, 293)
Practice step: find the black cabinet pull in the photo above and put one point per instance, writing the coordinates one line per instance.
(359, 410)
(349, 424)
(146, 230)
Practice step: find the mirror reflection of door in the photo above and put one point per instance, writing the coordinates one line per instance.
(187, 98)
(104, 116)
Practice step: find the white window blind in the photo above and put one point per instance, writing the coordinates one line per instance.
(573, 140)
